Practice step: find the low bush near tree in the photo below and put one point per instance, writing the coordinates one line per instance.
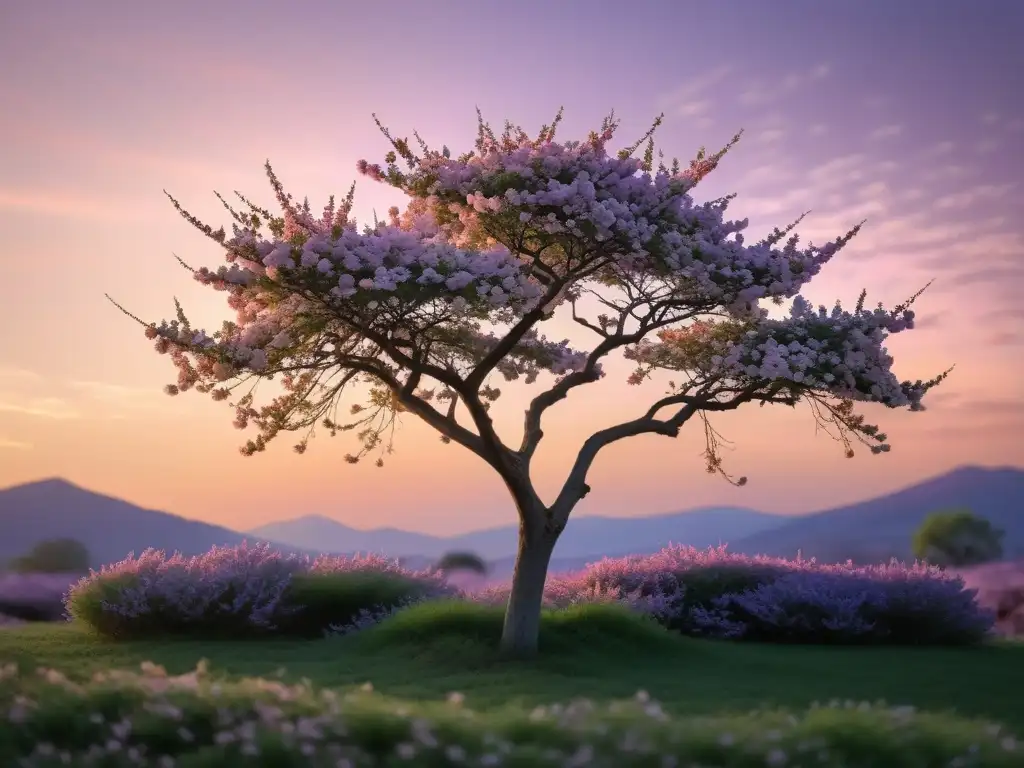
(242, 591)
(711, 593)
(462, 561)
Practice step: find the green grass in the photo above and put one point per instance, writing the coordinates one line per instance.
(596, 652)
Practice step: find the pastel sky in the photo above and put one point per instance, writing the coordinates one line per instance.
(907, 114)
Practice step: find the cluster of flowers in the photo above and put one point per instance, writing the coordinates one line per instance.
(838, 352)
(149, 717)
(393, 282)
(643, 220)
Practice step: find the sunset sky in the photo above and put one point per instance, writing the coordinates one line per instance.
(907, 114)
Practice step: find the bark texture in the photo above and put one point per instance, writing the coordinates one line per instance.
(521, 632)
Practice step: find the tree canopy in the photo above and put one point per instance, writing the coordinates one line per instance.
(431, 307)
(957, 538)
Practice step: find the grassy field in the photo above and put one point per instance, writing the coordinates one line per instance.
(426, 653)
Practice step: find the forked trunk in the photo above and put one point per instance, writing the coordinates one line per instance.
(520, 634)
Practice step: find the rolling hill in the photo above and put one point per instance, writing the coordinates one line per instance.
(110, 528)
(584, 537)
(869, 531)
(878, 529)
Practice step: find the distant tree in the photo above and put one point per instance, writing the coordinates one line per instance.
(957, 538)
(421, 314)
(54, 556)
(462, 561)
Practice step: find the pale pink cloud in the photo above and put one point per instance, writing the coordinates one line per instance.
(70, 203)
(761, 92)
(700, 84)
(973, 195)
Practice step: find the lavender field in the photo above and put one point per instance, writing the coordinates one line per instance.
(654, 584)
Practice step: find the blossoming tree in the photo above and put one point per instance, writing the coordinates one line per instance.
(428, 308)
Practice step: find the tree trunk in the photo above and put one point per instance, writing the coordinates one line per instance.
(522, 615)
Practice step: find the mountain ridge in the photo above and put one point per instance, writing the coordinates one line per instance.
(867, 531)
(584, 536)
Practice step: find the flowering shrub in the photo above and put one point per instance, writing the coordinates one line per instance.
(713, 593)
(429, 307)
(1000, 588)
(123, 718)
(241, 591)
(256, 591)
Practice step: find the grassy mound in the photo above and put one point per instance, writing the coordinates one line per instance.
(595, 630)
(153, 718)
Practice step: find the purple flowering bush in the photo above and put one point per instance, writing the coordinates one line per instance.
(242, 591)
(713, 593)
(256, 591)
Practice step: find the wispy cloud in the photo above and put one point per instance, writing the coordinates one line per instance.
(973, 195)
(1011, 338)
(129, 157)
(928, 321)
(119, 394)
(765, 93)
(43, 407)
(75, 204)
(9, 372)
(947, 174)
(994, 407)
(693, 108)
(886, 132)
(939, 148)
(770, 136)
(13, 445)
(686, 100)
(986, 146)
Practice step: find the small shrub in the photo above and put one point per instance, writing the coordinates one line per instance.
(807, 607)
(957, 539)
(54, 556)
(238, 592)
(462, 561)
(331, 601)
(151, 718)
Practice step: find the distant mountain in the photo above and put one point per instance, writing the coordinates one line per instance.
(586, 537)
(870, 531)
(323, 534)
(881, 528)
(109, 528)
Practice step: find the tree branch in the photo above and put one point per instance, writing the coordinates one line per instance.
(575, 487)
(532, 433)
(446, 425)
